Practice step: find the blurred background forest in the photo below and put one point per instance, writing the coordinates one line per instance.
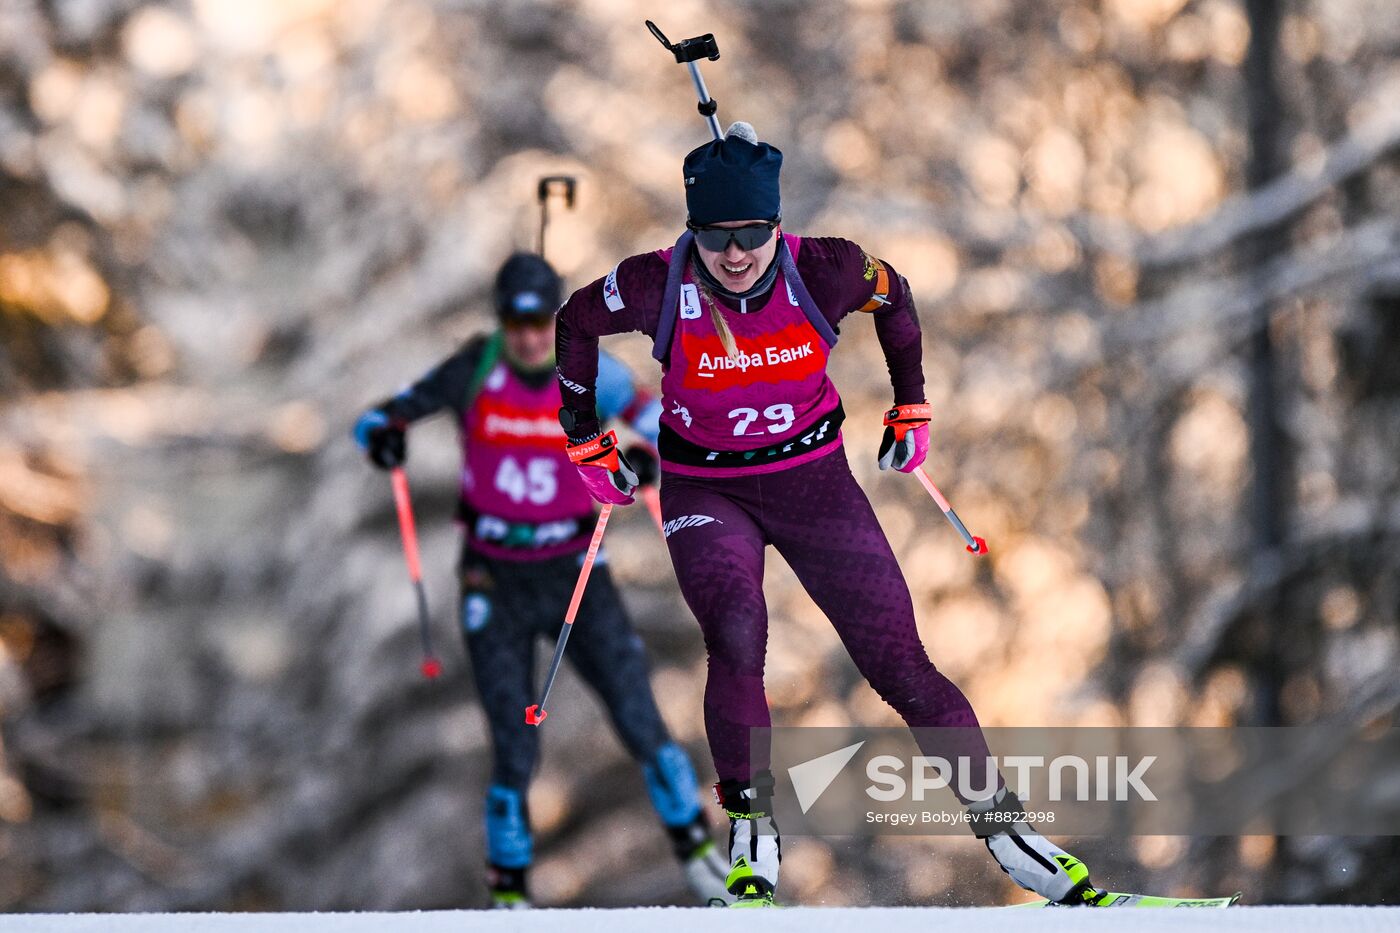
(1156, 248)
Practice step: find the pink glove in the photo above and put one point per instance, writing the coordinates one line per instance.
(905, 444)
(606, 473)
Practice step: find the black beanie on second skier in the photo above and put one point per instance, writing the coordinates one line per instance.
(527, 289)
(734, 178)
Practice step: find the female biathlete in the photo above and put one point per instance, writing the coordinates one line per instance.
(742, 317)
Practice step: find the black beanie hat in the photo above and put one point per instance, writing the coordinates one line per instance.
(735, 178)
(527, 287)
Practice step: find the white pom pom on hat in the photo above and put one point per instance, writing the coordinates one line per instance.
(744, 131)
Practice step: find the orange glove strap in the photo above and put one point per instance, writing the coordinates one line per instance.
(601, 451)
(904, 417)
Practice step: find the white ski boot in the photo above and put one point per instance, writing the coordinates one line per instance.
(1032, 861)
(704, 867)
(755, 848)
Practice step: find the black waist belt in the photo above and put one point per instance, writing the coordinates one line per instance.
(522, 535)
(820, 433)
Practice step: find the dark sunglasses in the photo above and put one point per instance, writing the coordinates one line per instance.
(532, 322)
(748, 237)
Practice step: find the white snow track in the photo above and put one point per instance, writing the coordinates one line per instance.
(698, 920)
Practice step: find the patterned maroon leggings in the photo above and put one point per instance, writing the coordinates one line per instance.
(821, 523)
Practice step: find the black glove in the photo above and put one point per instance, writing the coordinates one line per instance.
(644, 463)
(382, 438)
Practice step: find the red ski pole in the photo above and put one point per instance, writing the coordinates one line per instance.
(431, 666)
(652, 496)
(534, 715)
(975, 545)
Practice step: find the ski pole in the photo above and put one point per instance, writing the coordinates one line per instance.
(431, 666)
(652, 496)
(975, 545)
(534, 715)
(649, 473)
(688, 52)
(547, 184)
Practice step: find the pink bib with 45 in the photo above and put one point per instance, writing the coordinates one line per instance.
(514, 465)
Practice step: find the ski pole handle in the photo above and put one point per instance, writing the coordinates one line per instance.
(975, 545)
(534, 715)
(431, 666)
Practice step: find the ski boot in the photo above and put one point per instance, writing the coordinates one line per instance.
(748, 888)
(1032, 861)
(701, 862)
(509, 847)
(675, 794)
(507, 887)
(755, 848)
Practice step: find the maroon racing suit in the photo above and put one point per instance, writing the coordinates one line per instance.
(751, 455)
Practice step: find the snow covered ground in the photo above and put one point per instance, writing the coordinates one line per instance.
(697, 920)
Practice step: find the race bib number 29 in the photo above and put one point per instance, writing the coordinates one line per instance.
(780, 417)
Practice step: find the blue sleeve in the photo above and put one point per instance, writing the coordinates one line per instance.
(615, 389)
(616, 394)
(647, 422)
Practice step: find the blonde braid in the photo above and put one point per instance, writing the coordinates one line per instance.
(726, 336)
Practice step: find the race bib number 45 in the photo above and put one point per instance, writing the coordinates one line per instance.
(536, 481)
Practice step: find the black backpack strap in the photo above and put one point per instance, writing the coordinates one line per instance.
(804, 297)
(671, 300)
